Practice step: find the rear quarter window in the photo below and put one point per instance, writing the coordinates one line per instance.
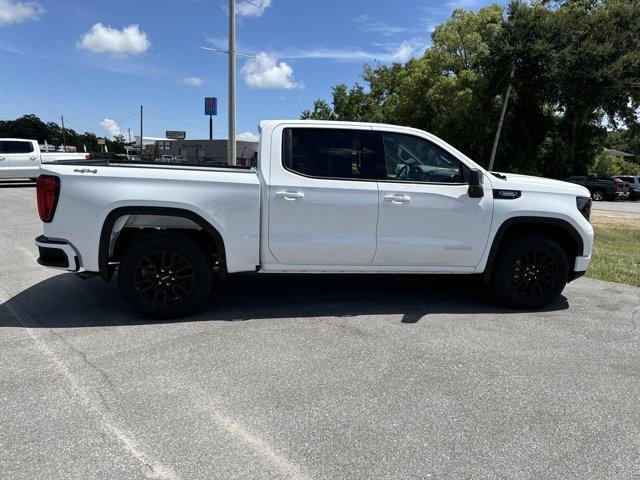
(15, 146)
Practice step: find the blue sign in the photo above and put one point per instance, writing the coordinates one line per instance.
(211, 106)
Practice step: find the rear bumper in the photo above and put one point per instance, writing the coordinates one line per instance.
(57, 254)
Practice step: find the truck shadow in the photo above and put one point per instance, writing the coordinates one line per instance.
(66, 301)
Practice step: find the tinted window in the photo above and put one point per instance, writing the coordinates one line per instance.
(328, 153)
(10, 146)
(413, 159)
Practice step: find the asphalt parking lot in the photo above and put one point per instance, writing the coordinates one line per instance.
(325, 377)
(632, 206)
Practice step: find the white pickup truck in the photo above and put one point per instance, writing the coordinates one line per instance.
(21, 158)
(325, 197)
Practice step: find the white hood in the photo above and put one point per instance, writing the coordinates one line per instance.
(530, 183)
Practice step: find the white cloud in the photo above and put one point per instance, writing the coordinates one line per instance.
(252, 8)
(369, 24)
(264, 71)
(119, 43)
(12, 11)
(193, 81)
(248, 137)
(111, 127)
(390, 53)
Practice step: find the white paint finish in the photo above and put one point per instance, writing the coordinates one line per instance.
(27, 165)
(316, 225)
(228, 200)
(434, 225)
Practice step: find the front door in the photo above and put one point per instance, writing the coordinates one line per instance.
(426, 217)
(323, 197)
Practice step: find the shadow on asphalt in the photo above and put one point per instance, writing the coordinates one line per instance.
(66, 301)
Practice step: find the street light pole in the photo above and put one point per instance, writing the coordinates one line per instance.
(232, 83)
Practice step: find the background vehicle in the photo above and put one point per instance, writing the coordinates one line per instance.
(20, 158)
(634, 185)
(325, 197)
(602, 188)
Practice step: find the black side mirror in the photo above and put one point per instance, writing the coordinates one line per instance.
(476, 179)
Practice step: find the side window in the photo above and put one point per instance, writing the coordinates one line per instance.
(328, 153)
(413, 159)
(12, 146)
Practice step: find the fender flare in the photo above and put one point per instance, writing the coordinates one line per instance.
(106, 271)
(557, 222)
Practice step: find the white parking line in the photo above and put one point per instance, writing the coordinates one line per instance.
(287, 468)
(152, 468)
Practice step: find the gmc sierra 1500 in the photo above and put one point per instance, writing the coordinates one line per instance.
(325, 197)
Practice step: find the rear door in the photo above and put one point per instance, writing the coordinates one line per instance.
(323, 196)
(426, 217)
(20, 157)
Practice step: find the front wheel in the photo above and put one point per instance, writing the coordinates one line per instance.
(165, 275)
(531, 272)
(597, 196)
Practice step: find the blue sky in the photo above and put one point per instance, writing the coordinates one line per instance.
(95, 61)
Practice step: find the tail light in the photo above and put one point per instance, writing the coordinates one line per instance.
(47, 192)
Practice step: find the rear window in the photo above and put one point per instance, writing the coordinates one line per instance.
(328, 153)
(15, 146)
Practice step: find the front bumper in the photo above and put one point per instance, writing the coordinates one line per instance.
(57, 254)
(580, 267)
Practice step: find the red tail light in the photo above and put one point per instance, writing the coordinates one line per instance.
(47, 191)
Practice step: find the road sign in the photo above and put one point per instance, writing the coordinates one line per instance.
(176, 135)
(211, 106)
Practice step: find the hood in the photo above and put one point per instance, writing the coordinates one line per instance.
(529, 183)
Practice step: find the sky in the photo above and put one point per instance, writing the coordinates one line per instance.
(96, 62)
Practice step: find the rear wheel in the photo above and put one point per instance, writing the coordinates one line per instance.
(165, 275)
(531, 272)
(597, 196)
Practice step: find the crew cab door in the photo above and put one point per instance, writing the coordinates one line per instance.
(323, 196)
(18, 158)
(426, 217)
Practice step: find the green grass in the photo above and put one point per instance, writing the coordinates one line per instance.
(616, 254)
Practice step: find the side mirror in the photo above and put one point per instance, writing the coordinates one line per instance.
(476, 179)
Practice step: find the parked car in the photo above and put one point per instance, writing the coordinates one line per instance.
(602, 188)
(325, 197)
(20, 158)
(634, 185)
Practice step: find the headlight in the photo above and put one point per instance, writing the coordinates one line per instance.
(584, 205)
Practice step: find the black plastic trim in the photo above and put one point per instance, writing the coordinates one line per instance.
(531, 220)
(503, 194)
(107, 271)
(53, 256)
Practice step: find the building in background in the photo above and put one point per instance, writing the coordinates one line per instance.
(204, 151)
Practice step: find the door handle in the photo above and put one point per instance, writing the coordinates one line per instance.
(33, 158)
(290, 196)
(397, 199)
(3, 158)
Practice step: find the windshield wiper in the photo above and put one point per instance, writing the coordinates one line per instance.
(499, 175)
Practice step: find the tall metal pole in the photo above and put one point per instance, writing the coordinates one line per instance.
(232, 83)
(64, 142)
(210, 127)
(141, 143)
(504, 109)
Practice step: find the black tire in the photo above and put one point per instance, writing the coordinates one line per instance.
(165, 275)
(597, 196)
(530, 273)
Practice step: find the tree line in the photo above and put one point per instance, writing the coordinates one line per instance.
(31, 127)
(575, 89)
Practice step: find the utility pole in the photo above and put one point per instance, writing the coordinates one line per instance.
(64, 143)
(504, 109)
(141, 143)
(232, 83)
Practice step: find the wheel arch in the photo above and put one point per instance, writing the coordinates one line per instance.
(107, 270)
(559, 229)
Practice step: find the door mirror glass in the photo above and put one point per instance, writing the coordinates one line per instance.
(476, 179)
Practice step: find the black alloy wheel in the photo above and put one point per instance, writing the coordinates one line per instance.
(165, 275)
(164, 278)
(535, 273)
